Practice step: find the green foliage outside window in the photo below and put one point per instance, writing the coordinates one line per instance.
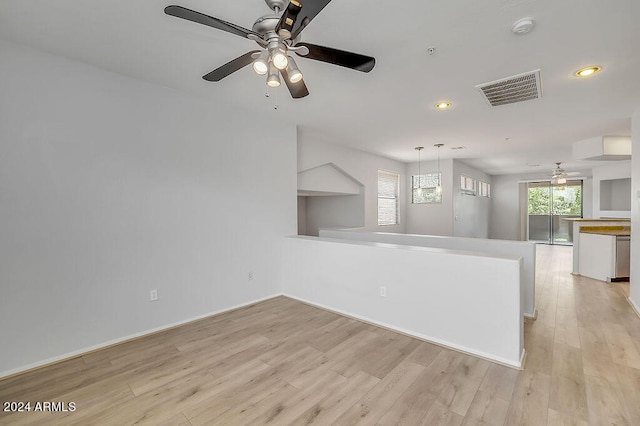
(567, 200)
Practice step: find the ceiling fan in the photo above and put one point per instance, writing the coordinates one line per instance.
(278, 36)
(559, 176)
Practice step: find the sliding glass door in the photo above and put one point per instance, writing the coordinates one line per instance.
(548, 205)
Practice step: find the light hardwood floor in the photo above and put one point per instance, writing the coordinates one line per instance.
(283, 362)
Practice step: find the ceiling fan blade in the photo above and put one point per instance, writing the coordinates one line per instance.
(300, 12)
(289, 18)
(298, 90)
(210, 21)
(230, 67)
(343, 58)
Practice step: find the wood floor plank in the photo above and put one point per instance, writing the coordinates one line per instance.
(458, 394)
(568, 391)
(424, 354)
(500, 381)
(441, 416)
(336, 332)
(622, 347)
(539, 346)
(414, 403)
(557, 418)
(335, 404)
(284, 407)
(383, 396)
(238, 405)
(606, 402)
(530, 400)
(486, 409)
(629, 380)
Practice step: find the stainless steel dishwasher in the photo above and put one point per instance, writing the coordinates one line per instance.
(623, 257)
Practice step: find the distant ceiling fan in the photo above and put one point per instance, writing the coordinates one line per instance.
(278, 35)
(559, 176)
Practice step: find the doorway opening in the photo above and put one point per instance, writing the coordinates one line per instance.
(548, 206)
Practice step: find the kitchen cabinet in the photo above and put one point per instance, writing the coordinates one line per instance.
(604, 254)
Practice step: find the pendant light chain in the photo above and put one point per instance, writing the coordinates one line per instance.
(419, 148)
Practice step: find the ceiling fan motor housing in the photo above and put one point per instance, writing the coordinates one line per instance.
(280, 4)
(266, 24)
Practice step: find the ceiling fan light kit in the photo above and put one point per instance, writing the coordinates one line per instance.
(261, 64)
(295, 75)
(273, 79)
(278, 35)
(559, 176)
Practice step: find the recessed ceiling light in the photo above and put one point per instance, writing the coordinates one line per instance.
(443, 105)
(587, 71)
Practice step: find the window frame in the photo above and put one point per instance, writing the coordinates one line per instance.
(485, 189)
(431, 191)
(395, 195)
(468, 185)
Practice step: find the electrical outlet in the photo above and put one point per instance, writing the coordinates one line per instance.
(250, 276)
(383, 291)
(153, 295)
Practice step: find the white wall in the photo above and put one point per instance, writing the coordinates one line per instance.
(457, 215)
(435, 218)
(302, 215)
(347, 210)
(635, 212)
(612, 170)
(463, 300)
(524, 249)
(505, 222)
(471, 214)
(334, 211)
(111, 187)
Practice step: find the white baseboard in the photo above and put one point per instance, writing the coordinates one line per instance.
(103, 345)
(634, 306)
(498, 360)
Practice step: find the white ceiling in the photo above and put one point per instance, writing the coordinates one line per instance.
(390, 110)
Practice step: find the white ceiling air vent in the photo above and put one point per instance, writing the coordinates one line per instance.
(509, 90)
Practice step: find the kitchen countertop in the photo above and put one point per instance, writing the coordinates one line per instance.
(618, 231)
(582, 219)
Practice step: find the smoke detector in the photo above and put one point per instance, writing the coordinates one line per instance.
(523, 26)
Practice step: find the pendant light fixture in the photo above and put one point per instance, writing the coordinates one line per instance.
(419, 189)
(439, 187)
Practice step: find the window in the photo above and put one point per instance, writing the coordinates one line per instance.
(424, 189)
(388, 190)
(485, 189)
(468, 185)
